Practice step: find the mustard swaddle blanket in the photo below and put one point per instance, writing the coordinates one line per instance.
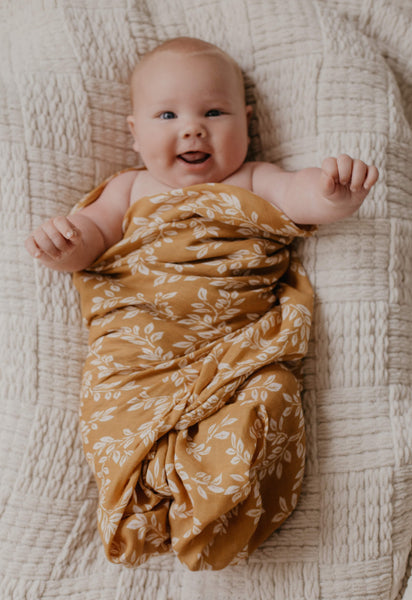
(190, 418)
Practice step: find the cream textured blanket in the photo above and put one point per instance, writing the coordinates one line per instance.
(323, 76)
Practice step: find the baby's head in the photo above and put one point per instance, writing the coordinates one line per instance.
(190, 119)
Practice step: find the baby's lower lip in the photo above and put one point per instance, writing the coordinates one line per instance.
(194, 158)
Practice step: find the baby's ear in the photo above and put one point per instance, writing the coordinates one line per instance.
(249, 112)
(130, 122)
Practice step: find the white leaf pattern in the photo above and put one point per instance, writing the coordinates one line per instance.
(188, 412)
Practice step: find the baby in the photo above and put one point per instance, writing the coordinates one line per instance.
(190, 415)
(190, 126)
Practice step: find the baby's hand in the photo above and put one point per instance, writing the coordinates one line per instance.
(348, 179)
(54, 240)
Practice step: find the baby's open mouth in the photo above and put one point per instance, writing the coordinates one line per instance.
(194, 158)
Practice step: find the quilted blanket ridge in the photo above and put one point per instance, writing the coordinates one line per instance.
(190, 417)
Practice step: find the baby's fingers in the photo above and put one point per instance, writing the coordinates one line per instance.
(330, 168)
(363, 176)
(359, 171)
(345, 168)
(32, 248)
(52, 239)
(350, 172)
(65, 227)
(340, 169)
(372, 177)
(49, 240)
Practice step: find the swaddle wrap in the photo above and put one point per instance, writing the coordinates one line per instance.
(190, 418)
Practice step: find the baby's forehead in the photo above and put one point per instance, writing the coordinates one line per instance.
(155, 60)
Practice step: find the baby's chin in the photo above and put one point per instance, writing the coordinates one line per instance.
(190, 169)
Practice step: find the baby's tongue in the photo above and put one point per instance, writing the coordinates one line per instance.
(194, 157)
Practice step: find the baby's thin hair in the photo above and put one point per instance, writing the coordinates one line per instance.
(186, 45)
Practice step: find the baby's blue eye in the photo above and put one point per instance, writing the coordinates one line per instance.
(167, 114)
(214, 112)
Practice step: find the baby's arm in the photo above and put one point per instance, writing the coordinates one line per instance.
(74, 242)
(316, 196)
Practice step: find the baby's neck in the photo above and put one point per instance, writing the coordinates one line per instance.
(146, 185)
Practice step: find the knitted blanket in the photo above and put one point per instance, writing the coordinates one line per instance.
(323, 77)
(192, 424)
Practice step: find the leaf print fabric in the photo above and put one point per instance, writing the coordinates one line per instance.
(190, 417)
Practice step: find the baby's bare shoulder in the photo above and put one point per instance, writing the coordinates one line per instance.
(264, 169)
(253, 175)
(144, 185)
(113, 202)
(121, 183)
(242, 177)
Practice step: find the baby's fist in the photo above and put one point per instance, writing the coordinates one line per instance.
(53, 240)
(345, 174)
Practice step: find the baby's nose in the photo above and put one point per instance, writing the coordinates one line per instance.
(193, 130)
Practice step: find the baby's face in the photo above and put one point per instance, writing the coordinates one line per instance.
(189, 119)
